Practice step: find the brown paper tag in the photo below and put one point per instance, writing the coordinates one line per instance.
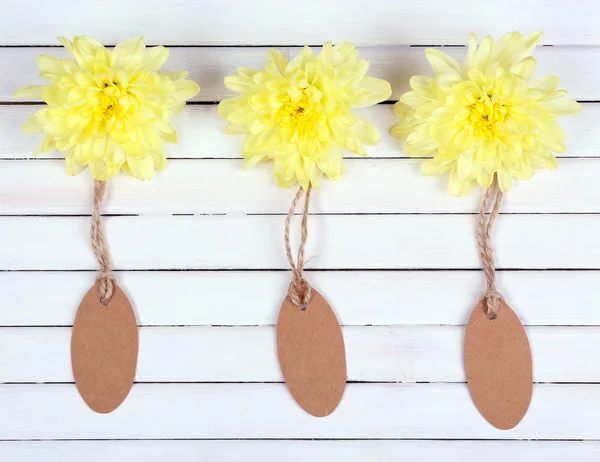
(498, 366)
(311, 355)
(104, 350)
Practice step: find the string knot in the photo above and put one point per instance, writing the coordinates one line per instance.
(493, 301)
(106, 286)
(300, 293)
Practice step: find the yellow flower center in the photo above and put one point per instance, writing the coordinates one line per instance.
(485, 113)
(108, 111)
(109, 106)
(292, 114)
(299, 116)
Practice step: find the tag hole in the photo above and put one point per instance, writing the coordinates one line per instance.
(304, 307)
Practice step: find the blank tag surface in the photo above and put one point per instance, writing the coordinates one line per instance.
(311, 354)
(498, 366)
(104, 350)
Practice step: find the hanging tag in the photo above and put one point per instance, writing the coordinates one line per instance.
(104, 350)
(311, 354)
(498, 365)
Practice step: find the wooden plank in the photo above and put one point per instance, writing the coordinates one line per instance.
(265, 22)
(208, 66)
(376, 297)
(201, 134)
(221, 186)
(336, 242)
(248, 354)
(298, 451)
(255, 411)
(416, 421)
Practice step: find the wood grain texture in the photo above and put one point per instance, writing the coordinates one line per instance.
(221, 186)
(248, 354)
(258, 411)
(256, 242)
(412, 271)
(233, 22)
(208, 66)
(298, 451)
(377, 297)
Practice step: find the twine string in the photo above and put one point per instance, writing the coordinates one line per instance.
(492, 298)
(299, 289)
(105, 277)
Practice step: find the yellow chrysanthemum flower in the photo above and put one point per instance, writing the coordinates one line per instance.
(298, 113)
(110, 109)
(487, 118)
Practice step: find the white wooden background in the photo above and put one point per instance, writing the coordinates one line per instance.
(200, 252)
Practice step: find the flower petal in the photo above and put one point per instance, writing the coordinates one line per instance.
(277, 63)
(377, 90)
(154, 58)
(531, 41)
(563, 106)
(35, 92)
(510, 50)
(184, 90)
(441, 63)
(483, 56)
(505, 179)
(129, 54)
(525, 68)
(546, 84)
(142, 169)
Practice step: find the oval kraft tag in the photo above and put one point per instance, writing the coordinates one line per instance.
(104, 350)
(498, 366)
(311, 355)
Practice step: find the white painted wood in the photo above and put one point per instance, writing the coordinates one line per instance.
(299, 451)
(221, 186)
(335, 242)
(216, 327)
(578, 67)
(248, 354)
(312, 21)
(253, 298)
(224, 411)
(201, 134)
